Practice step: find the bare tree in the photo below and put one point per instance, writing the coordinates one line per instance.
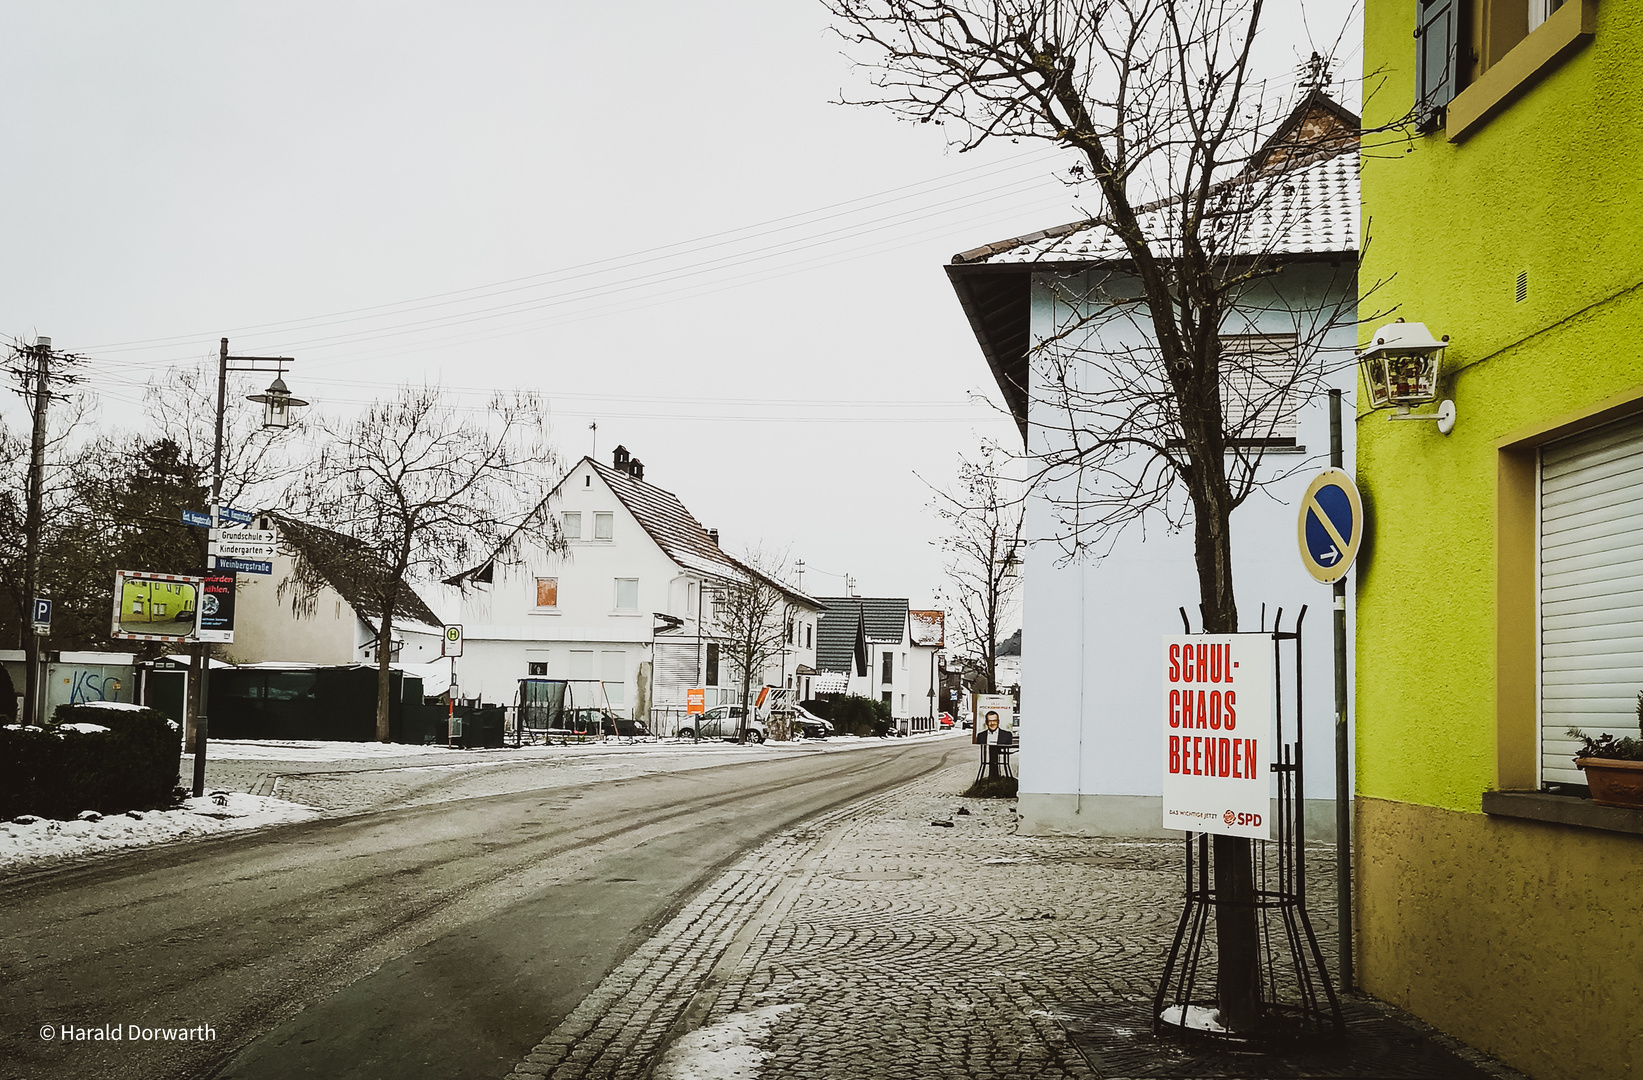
(412, 490)
(750, 618)
(1160, 101)
(982, 545)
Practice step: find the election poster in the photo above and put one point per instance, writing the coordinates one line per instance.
(1217, 734)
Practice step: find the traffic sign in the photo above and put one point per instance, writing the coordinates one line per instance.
(42, 615)
(1331, 524)
(453, 641)
(238, 517)
(194, 517)
(243, 543)
(244, 566)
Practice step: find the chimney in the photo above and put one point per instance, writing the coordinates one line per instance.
(713, 535)
(620, 459)
(636, 469)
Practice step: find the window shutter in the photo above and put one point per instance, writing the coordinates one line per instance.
(1591, 591)
(1437, 59)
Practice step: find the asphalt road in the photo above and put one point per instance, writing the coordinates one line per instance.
(435, 941)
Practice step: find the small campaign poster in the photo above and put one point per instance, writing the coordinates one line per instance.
(1217, 734)
(216, 610)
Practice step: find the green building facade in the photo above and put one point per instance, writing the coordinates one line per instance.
(1500, 597)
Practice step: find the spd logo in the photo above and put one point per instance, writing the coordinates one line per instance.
(1229, 817)
(1252, 820)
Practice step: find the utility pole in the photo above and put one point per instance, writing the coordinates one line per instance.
(33, 684)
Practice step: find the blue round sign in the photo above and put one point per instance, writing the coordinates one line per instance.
(1331, 525)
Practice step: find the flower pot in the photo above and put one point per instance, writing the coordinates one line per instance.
(1613, 782)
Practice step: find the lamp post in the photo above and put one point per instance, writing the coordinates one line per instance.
(1400, 368)
(278, 403)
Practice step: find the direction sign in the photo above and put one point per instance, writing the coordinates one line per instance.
(42, 615)
(243, 543)
(1331, 523)
(194, 517)
(453, 641)
(245, 566)
(238, 517)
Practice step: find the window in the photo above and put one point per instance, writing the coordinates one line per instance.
(889, 669)
(602, 526)
(790, 631)
(613, 673)
(904, 661)
(1591, 612)
(1258, 391)
(572, 525)
(1470, 58)
(547, 592)
(536, 668)
(712, 675)
(627, 594)
(690, 600)
(885, 697)
(807, 641)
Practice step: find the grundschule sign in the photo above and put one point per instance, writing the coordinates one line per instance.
(1217, 734)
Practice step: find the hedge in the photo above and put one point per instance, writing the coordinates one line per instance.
(56, 772)
(853, 714)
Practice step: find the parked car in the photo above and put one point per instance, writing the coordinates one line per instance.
(946, 720)
(811, 725)
(722, 722)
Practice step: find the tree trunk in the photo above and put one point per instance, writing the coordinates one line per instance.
(385, 652)
(1237, 923)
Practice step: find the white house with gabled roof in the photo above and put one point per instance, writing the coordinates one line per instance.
(629, 602)
(1090, 759)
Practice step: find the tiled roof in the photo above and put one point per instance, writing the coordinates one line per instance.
(928, 628)
(836, 630)
(884, 619)
(353, 570)
(680, 536)
(1306, 209)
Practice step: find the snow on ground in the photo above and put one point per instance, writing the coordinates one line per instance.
(722, 1051)
(315, 750)
(41, 841)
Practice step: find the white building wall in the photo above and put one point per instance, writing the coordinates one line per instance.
(583, 635)
(1090, 760)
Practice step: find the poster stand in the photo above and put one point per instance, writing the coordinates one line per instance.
(1294, 983)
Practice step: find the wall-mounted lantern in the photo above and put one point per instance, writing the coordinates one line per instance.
(1400, 367)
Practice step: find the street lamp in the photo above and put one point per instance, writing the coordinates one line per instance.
(277, 403)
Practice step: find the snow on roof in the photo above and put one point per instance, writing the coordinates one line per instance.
(1306, 209)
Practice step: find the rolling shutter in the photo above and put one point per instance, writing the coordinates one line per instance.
(1591, 590)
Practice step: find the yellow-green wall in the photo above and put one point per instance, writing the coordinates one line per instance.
(1482, 924)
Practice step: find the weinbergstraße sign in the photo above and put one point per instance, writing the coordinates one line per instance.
(1217, 734)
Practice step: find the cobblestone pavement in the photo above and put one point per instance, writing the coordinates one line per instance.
(874, 943)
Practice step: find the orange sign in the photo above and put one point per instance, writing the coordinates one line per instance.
(695, 702)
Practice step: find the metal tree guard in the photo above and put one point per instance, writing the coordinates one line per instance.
(1291, 1004)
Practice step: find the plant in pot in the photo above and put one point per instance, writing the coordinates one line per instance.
(1613, 767)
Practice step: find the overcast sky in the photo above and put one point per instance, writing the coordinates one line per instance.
(650, 212)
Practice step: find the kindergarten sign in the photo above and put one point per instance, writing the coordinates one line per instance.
(1217, 734)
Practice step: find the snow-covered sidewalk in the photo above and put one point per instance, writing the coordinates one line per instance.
(29, 841)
